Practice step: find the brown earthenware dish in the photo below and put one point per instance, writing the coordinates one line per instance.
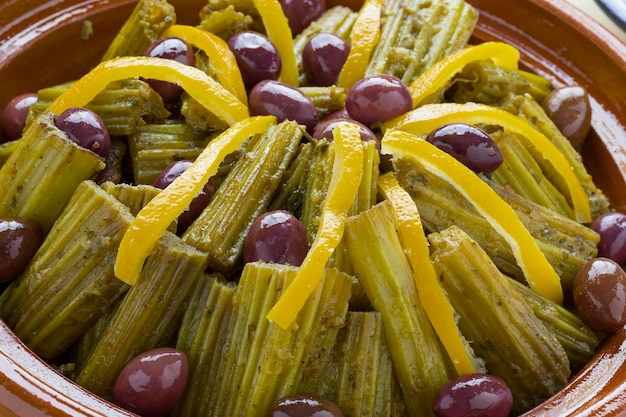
(40, 45)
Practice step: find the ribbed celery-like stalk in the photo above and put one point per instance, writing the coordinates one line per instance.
(69, 283)
(578, 339)
(224, 20)
(146, 314)
(421, 364)
(153, 147)
(245, 193)
(258, 361)
(488, 83)
(495, 319)
(6, 149)
(43, 171)
(209, 306)
(315, 187)
(326, 99)
(135, 197)
(198, 117)
(417, 34)
(566, 244)
(534, 113)
(289, 194)
(123, 105)
(360, 378)
(521, 173)
(147, 21)
(337, 20)
(82, 348)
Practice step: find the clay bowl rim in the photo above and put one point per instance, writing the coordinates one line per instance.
(38, 388)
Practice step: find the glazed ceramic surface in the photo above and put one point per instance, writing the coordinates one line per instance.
(41, 45)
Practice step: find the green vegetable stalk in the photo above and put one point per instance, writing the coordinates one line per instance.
(147, 313)
(421, 363)
(259, 362)
(245, 194)
(495, 319)
(69, 283)
(43, 171)
(360, 378)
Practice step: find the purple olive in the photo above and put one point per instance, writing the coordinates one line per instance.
(15, 114)
(323, 57)
(256, 56)
(283, 101)
(276, 236)
(612, 230)
(198, 204)
(324, 130)
(19, 240)
(570, 109)
(305, 405)
(469, 145)
(599, 292)
(300, 13)
(152, 382)
(474, 395)
(86, 128)
(175, 49)
(378, 98)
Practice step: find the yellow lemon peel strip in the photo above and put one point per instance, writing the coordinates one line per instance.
(537, 270)
(344, 183)
(424, 119)
(153, 220)
(279, 32)
(431, 294)
(364, 37)
(200, 86)
(223, 60)
(436, 78)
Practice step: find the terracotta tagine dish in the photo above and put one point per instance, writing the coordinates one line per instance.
(46, 43)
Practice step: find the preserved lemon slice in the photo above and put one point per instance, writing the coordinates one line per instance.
(195, 82)
(364, 37)
(279, 32)
(435, 302)
(435, 78)
(344, 184)
(426, 118)
(537, 270)
(222, 59)
(152, 221)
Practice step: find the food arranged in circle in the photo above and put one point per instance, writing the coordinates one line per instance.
(293, 209)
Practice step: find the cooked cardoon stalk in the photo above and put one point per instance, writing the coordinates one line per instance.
(326, 99)
(360, 377)
(289, 194)
(6, 149)
(198, 117)
(337, 20)
(578, 339)
(135, 197)
(147, 21)
(496, 320)
(488, 83)
(534, 114)
(259, 362)
(245, 193)
(420, 361)
(415, 35)
(566, 243)
(521, 172)
(153, 147)
(43, 171)
(209, 306)
(122, 105)
(224, 20)
(69, 283)
(146, 314)
(315, 187)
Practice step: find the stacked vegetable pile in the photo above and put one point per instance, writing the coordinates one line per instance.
(289, 207)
